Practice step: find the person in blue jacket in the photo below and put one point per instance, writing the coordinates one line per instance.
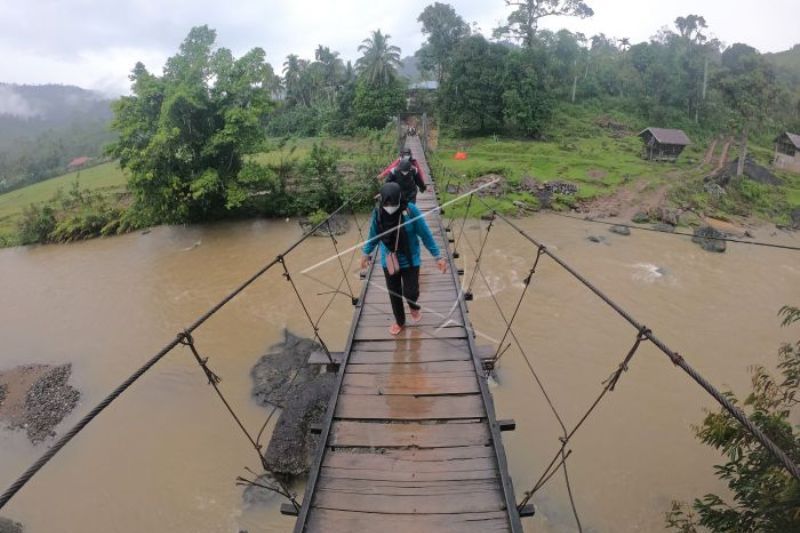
(398, 227)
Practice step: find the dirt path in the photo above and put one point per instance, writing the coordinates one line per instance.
(710, 152)
(723, 159)
(624, 203)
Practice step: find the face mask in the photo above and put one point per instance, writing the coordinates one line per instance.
(404, 172)
(391, 209)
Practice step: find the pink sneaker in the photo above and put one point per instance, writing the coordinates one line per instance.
(416, 315)
(395, 329)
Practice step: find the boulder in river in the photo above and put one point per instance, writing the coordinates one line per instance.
(9, 526)
(640, 217)
(292, 446)
(666, 228)
(282, 378)
(337, 225)
(794, 215)
(274, 374)
(620, 230)
(599, 239)
(708, 239)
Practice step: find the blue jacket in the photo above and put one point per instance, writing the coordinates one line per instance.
(416, 230)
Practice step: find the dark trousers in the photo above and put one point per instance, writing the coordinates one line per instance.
(403, 284)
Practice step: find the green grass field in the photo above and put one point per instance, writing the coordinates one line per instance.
(599, 161)
(107, 177)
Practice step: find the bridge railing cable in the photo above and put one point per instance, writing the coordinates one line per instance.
(679, 233)
(180, 338)
(478, 270)
(674, 356)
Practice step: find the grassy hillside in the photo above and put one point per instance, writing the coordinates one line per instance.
(600, 154)
(107, 177)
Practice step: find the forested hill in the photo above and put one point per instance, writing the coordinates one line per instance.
(43, 127)
(787, 64)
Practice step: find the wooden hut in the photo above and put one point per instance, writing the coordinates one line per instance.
(787, 152)
(661, 144)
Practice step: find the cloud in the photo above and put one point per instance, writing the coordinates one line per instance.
(14, 104)
(95, 43)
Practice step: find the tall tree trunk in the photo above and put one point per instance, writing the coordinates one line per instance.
(705, 79)
(574, 87)
(742, 153)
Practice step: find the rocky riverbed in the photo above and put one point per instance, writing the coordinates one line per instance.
(36, 398)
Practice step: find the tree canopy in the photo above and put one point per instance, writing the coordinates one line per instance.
(183, 135)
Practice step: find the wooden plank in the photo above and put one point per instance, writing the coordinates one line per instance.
(405, 488)
(377, 461)
(428, 319)
(420, 455)
(367, 474)
(409, 344)
(409, 384)
(423, 298)
(384, 307)
(399, 407)
(479, 501)
(439, 368)
(361, 357)
(330, 521)
(420, 332)
(368, 434)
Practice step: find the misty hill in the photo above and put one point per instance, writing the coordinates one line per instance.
(787, 64)
(409, 69)
(29, 110)
(43, 128)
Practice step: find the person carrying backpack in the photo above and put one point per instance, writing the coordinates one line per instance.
(409, 180)
(398, 227)
(405, 153)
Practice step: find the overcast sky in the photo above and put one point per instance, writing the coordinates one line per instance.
(95, 43)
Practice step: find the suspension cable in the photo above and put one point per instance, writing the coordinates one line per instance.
(527, 283)
(479, 255)
(679, 233)
(116, 393)
(341, 263)
(609, 385)
(463, 223)
(675, 357)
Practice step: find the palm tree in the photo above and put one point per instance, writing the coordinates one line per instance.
(380, 61)
(293, 69)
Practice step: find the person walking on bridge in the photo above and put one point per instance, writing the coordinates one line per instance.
(405, 153)
(398, 227)
(408, 174)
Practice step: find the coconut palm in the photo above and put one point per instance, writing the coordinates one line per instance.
(380, 61)
(293, 69)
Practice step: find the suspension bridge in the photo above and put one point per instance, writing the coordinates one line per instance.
(410, 440)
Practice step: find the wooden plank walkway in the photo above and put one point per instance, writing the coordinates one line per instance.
(411, 442)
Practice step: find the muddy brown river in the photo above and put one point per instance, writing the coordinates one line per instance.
(165, 456)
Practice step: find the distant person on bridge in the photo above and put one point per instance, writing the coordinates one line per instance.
(406, 171)
(405, 153)
(399, 227)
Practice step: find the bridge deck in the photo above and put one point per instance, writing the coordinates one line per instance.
(410, 438)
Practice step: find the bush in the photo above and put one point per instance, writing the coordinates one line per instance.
(38, 222)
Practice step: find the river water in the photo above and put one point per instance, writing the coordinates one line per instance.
(165, 456)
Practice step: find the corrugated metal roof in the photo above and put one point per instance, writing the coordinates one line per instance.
(668, 136)
(793, 138)
(425, 85)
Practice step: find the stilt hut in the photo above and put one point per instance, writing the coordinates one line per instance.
(787, 152)
(661, 144)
